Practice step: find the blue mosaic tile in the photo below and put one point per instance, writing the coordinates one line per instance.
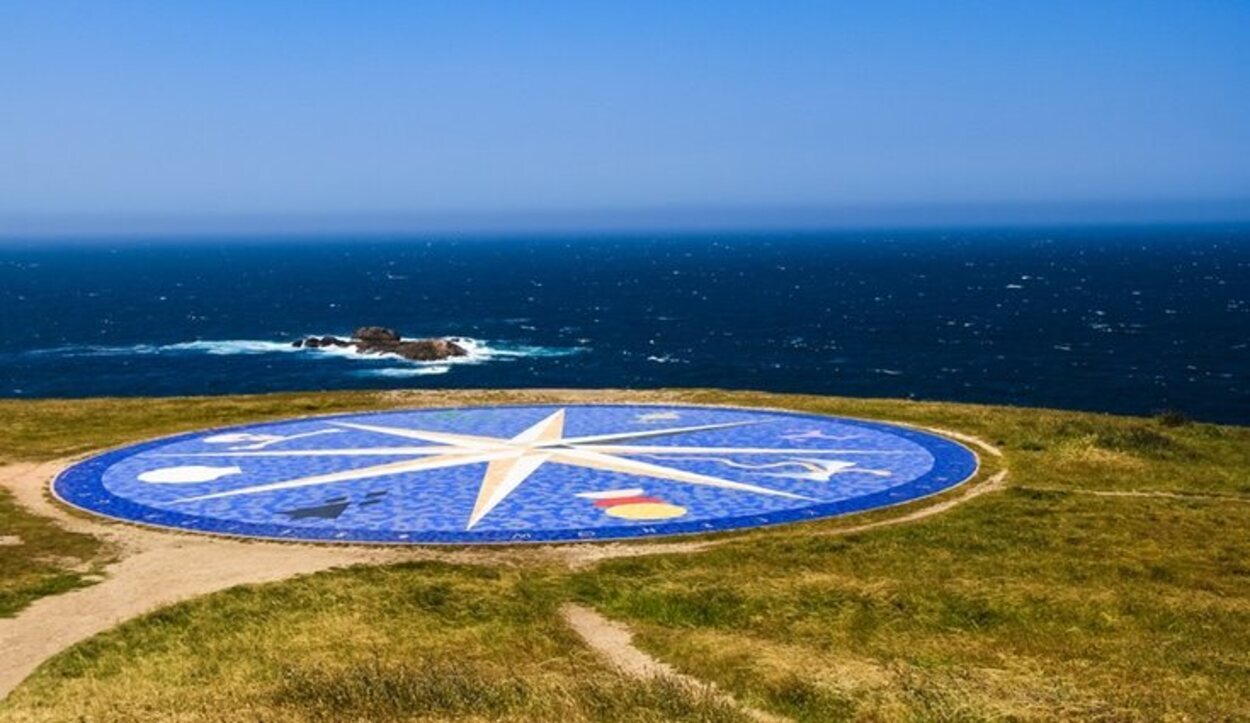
(516, 474)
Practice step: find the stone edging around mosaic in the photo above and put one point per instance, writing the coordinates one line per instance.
(516, 474)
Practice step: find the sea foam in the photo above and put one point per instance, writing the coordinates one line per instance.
(402, 372)
(479, 351)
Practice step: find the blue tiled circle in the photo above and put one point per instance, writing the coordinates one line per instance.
(516, 474)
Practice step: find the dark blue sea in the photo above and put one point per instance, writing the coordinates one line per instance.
(1133, 320)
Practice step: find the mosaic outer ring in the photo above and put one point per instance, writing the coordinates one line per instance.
(81, 486)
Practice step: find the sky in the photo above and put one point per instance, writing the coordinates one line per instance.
(266, 115)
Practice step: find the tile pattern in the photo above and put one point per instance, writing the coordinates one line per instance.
(830, 466)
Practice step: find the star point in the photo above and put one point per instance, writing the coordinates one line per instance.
(509, 462)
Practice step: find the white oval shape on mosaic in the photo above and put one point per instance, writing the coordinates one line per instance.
(192, 474)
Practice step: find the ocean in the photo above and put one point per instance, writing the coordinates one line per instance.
(1124, 320)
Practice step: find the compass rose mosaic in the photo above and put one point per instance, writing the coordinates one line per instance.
(513, 474)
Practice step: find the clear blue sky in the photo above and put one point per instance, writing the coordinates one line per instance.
(593, 111)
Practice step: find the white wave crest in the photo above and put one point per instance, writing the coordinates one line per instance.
(216, 348)
(482, 351)
(230, 347)
(479, 351)
(403, 372)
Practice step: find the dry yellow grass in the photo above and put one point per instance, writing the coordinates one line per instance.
(1045, 600)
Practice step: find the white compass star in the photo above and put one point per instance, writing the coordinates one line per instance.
(509, 462)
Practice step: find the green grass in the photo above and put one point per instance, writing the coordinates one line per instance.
(1041, 601)
(47, 560)
(1017, 604)
(363, 644)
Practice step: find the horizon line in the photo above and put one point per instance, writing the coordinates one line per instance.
(652, 220)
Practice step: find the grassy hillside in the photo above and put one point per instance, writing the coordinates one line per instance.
(1110, 579)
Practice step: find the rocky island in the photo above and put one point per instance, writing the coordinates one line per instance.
(380, 340)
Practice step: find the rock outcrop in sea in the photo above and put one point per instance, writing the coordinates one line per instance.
(380, 340)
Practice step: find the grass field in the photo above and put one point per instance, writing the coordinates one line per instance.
(1110, 579)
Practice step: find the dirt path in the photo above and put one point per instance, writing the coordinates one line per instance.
(614, 642)
(995, 482)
